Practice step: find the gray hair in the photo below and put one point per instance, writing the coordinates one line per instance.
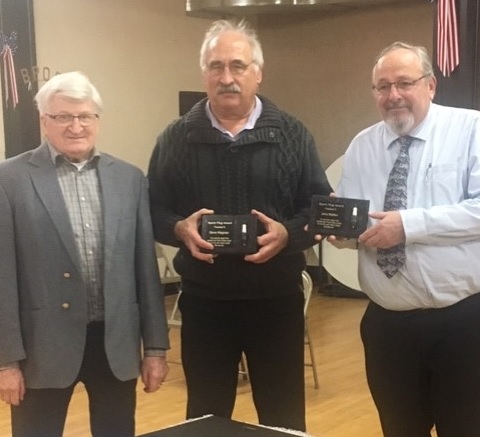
(420, 51)
(221, 26)
(73, 86)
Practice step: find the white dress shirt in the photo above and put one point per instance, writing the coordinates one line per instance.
(442, 220)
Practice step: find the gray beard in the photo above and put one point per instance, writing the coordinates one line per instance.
(401, 125)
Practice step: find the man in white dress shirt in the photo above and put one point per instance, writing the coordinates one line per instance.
(421, 331)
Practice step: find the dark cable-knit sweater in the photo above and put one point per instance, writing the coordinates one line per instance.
(273, 168)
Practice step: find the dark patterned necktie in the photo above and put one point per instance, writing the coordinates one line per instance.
(390, 260)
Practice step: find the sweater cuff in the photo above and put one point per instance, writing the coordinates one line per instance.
(298, 239)
(12, 365)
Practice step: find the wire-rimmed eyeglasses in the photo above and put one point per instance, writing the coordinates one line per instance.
(236, 68)
(66, 119)
(402, 86)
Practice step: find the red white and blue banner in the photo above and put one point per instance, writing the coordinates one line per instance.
(8, 47)
(447, 37)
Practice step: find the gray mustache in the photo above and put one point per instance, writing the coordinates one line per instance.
(223, 89)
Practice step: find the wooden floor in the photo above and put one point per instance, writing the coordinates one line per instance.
(341, 407)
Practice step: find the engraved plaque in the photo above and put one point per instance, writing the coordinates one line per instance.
(235, 234)
(339, 216)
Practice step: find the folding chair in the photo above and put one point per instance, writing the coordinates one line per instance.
(307, 292)
(168, 275)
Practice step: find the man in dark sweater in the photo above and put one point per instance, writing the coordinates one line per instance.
(236, 153)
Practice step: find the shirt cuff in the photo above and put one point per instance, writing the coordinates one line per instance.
(155, 353)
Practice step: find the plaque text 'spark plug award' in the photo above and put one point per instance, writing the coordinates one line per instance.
(234, 234)
(339, 216)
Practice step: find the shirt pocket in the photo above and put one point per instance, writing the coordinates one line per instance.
(446, 183)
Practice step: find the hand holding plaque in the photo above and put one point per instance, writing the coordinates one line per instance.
(339, 216)
(234, 234)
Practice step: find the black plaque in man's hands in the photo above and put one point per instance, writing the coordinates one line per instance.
(339, 216)
(230, 233)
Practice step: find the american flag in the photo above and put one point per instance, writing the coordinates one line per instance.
(8, 45)
(447, 37)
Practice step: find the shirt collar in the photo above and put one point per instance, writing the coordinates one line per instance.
(421, 132)
(55, 155)
(250, 124)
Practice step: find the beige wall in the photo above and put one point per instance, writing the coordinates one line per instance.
(140, 53)
(318, 67)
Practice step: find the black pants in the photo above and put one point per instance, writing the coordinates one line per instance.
(111, 402)
(423, 368)
(271, 334)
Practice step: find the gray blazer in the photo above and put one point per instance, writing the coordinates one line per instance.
(43, 304)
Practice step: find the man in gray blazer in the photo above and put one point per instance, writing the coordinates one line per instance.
(79, 283)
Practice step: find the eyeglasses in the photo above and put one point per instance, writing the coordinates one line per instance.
(402, 86)
(66, 119)
(237, 68)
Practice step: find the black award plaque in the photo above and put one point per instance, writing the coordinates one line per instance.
(234, 234)
(339, 216)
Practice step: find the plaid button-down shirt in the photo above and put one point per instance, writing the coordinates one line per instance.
(81, 192)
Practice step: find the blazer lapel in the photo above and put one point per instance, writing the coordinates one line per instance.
(45, 181)
(112, 204)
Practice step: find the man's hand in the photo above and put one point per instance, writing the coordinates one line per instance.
(12, 386)
(187, 231)
(272, 242)
(388, 232)
(154, 372)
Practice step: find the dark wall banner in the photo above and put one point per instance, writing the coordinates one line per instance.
(17, 49)
(458, 85)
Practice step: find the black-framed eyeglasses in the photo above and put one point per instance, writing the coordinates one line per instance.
(236, 68)
(66, 119)
(402, 86)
